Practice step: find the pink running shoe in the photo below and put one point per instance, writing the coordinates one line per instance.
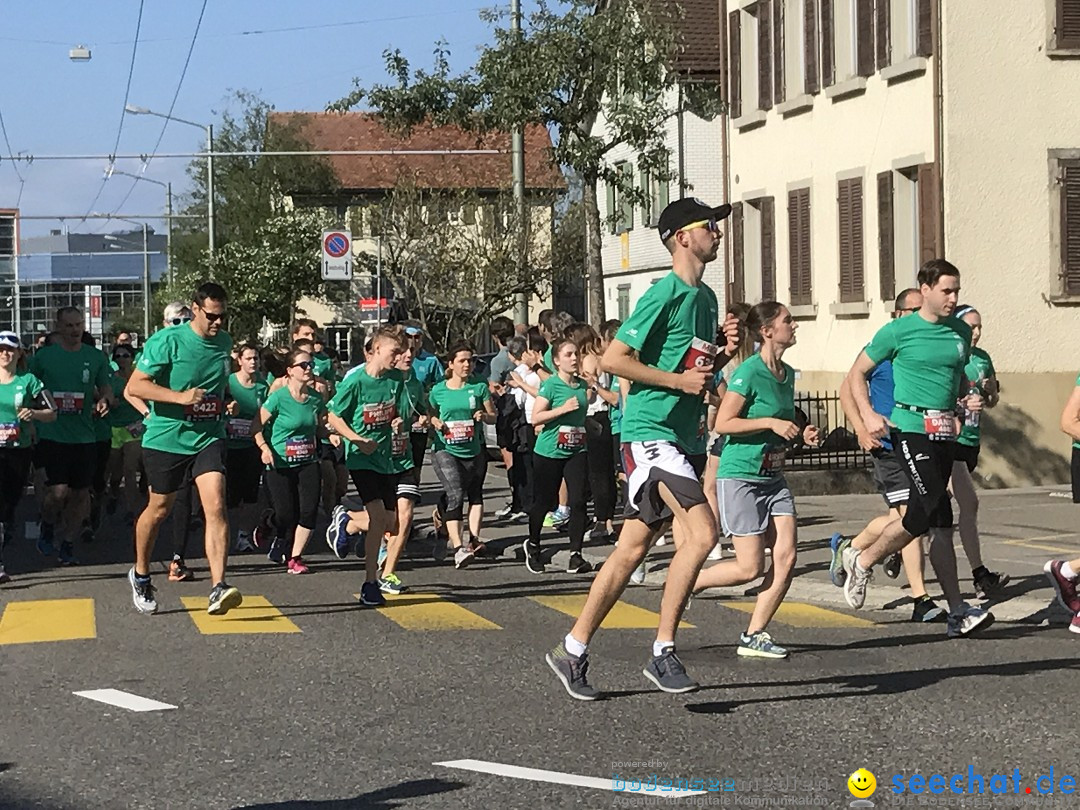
(1065, 587)
(296, 566)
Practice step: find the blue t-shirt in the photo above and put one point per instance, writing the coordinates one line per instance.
(427, 368)
(881, 393)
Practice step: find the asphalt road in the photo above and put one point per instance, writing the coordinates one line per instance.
(315, 702)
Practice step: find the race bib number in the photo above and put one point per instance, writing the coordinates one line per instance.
(940, 426)
(238, 428)
(971, 418)
(399, 444)
(701, 354)
(300, 448)
(69, 402)
(460, 431)
(417, 428)
(571, 438)
(772, 463)
(379, 414)
(209, 410)
(9, 433)
(136, 429)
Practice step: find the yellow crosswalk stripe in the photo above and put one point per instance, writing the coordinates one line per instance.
(48, 620)
(255, 615)
(800, 614)
(623, 616)
(429, 611)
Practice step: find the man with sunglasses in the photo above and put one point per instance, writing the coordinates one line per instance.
(183, 372)
(666, 348)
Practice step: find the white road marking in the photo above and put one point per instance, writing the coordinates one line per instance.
(559, 778)
(124, 700)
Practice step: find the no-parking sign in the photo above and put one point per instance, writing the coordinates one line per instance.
(336, 256)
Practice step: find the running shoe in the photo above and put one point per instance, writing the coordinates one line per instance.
(668, 673)
(391, 583)
(45, 540)
(179, 572)
(462, 557)
(4, 575)
(578, 565)
(244, 543)
(927, 610)
(662, 540)
(967, 621)
(276, 554)
(856, 579)
(223, 598)
(760, 645)
(572, 671)
(371, 596)
(261, 537)
(383, 551)
(988, 583)
(891, 566)
(297, 566)
(478, 547)
(336, 535)
(533, 561)
(359, 542)
(142, 593)
(1063, 586)
(518, 517)
(717, 553)
(505, 512)
(66, 555)
(638, 577)
(837, 544)
(1074, 625)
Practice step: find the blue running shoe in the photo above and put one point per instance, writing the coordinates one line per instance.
(336, 536)
(276, 554)
(371, 595)
(837, 544)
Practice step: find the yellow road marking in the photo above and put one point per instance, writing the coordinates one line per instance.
(799, 614)
(622, 617)
(256, 615)
(429, 611)
(1039, 546)
(48, 620)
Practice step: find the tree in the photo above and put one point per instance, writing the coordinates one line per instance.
(595, 60)
(267, 254)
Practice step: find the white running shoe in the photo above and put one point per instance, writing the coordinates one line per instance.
(967, 621)
(717, 553)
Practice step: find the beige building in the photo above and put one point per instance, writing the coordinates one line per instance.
(869, 135)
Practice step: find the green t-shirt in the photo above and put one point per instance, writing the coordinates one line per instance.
(979, 369)
(323, 366)
(672, 328)
(369, 405)
(179, 359)
(564, 436)
(248, 402)
(14, 396)
(293, 427)
(616, 410)
(71, 377)
(758, 456)
(928, 363)
(123, 414)
(549, 363)
(461, 435)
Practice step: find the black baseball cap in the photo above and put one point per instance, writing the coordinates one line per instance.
(689, 209)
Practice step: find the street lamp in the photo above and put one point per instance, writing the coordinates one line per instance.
(168, 206)
(146, 272)
(209, 128)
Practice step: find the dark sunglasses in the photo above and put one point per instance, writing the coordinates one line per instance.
(214, 317)
(178, 321)
(305, 365)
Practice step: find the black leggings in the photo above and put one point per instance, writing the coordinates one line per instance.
(294, 495)
(1076, 474)
(462, 479)
(548, 474)
(598, 448)
(523, 477)
(14, 473)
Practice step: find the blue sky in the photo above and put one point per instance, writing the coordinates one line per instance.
(51, 105)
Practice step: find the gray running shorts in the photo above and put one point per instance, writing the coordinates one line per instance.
(746, 506)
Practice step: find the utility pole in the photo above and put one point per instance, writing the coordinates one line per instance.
(517, 149)
(210, 189)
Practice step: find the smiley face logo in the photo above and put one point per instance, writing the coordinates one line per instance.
(862, 784)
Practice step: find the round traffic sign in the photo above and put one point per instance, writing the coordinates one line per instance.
(336, 245)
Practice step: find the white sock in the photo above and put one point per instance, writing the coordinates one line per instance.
(1067, 571)
(658, 647)
(573, 646)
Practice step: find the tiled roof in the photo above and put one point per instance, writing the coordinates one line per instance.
(359, 130)
(699, 38)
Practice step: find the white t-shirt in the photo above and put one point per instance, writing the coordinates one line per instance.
(524, 399)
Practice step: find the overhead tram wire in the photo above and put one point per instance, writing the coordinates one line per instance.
(172, 106)
(123, 111)
(11, 156)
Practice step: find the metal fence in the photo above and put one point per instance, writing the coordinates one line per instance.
(839, 448)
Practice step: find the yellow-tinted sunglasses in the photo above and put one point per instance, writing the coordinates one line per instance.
(711, 224)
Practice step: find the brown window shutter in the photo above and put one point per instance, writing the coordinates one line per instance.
(1070, 228)
(738, 282)
(924, 40)
(843, 205)
(764, 27)
(928, 213)
(735, 63)
(886, 229)
(768, 249)
(828, 45)
(884, 33)
(805, 279)
(779, 79)
(794, 255)
(858, 256)
(864, 44)
(810, 47)
(799, 246)
(1067, 28)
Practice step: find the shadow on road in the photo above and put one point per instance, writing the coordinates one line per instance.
(374, 800)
